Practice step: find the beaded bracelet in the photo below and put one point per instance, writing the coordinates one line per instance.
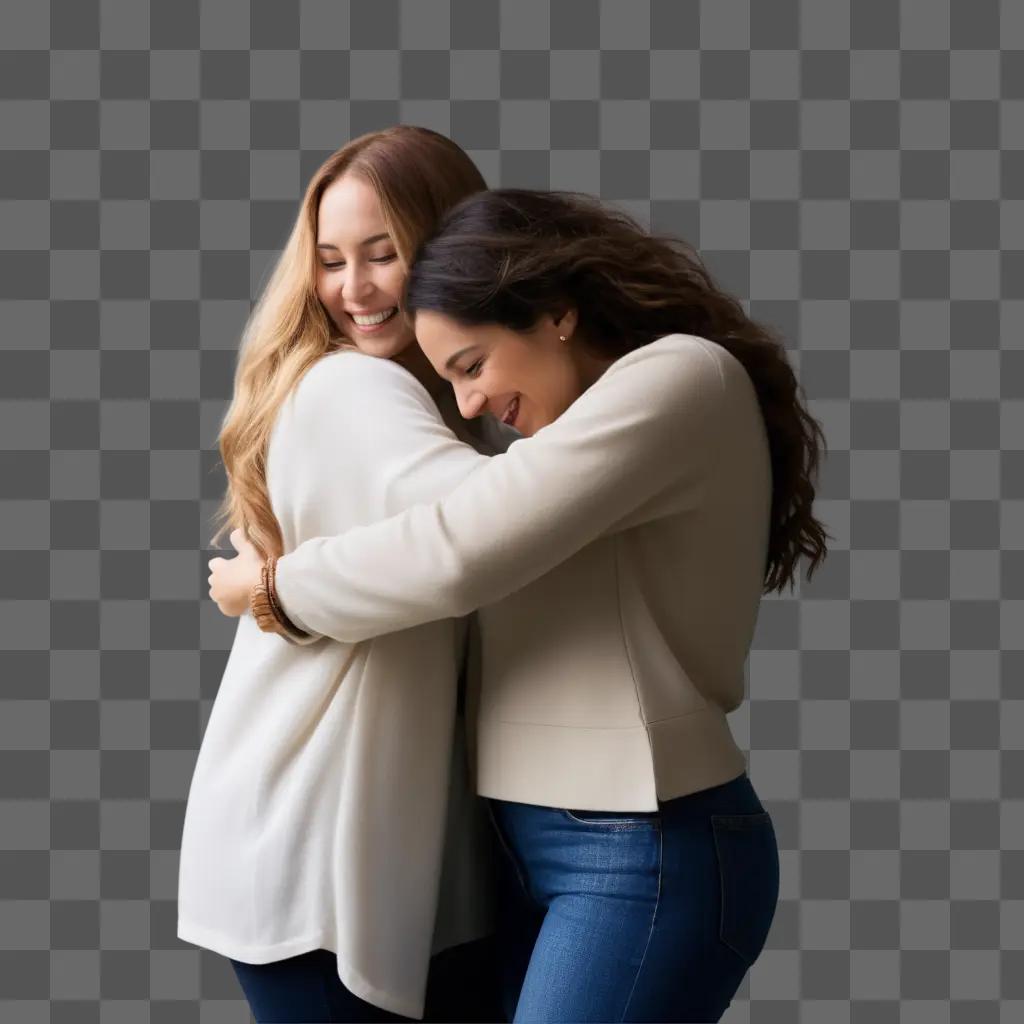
(267, 610)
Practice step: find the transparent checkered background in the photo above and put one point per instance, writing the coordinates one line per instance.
(852, 169)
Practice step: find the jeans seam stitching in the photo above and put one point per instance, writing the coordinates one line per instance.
(650, 933)
(511, 857)
(721, 897)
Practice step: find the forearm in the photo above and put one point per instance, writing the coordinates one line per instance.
(612, 463)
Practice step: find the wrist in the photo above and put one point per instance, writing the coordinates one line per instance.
(266, 608)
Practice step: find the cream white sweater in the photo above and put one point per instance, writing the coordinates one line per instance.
(330, 805)
(617, 560)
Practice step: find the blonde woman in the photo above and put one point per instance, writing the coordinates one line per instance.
(331, 840)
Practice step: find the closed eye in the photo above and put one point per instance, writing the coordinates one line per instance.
(376, 259)
(474, 370)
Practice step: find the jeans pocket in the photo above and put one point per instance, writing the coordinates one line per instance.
(747, 853)
(613, 819)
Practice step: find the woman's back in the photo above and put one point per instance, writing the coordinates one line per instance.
(620, 697)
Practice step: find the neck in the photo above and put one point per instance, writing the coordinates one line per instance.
(413, 359)
(591, 367)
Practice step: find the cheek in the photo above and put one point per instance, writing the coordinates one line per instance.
(323, 290)
(393, 282)
(330, 299)
(547, 377)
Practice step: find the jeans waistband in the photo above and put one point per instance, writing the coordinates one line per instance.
(737, 796)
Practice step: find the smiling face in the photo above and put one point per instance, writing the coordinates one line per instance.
(527, 379)
(359, 275)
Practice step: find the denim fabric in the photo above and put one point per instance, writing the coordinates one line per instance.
(634, 916)
(303, 988)
(461, 989)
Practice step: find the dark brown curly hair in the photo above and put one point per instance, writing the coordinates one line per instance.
(508, 256)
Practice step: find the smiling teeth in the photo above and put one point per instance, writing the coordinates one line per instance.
(376, 318)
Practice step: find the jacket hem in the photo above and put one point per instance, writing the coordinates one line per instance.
(627, 769)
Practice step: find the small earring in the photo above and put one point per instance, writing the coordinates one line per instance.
(562, 337)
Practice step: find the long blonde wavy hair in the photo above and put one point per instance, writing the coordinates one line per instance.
(417, 174)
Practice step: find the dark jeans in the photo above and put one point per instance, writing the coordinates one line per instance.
(634, 915)
(603, 916)
(462, 986)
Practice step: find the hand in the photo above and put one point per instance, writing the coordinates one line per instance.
(231, 580)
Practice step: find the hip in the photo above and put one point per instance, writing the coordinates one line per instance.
(631, 854)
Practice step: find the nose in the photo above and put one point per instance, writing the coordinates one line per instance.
(471, 401)
(356, 282)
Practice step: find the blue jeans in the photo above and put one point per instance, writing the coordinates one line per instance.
(303, 988)
(634, 916)
(461, 986)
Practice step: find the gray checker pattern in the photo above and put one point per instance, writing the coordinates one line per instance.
(852, 169)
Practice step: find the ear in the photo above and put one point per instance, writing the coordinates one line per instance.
(566, 321)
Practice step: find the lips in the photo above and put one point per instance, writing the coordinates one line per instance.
(391, 310)
(511, 413)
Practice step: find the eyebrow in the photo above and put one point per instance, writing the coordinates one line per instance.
(453, 359)
(365, 241)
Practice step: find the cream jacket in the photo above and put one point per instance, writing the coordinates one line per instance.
(331, 804)
(617, 559)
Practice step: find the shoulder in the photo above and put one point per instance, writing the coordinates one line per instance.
(734, 383)
(354, 376)
(649, 395)
(347, 368)
(671, 366)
